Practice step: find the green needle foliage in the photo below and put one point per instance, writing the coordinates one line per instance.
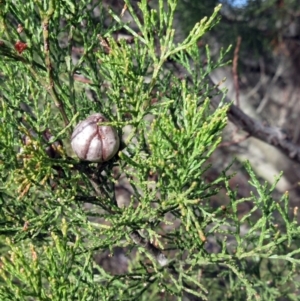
(63, 60)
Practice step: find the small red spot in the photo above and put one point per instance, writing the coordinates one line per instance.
(20, 46)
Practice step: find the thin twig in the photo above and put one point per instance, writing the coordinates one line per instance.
(235, 70)
(82, 79)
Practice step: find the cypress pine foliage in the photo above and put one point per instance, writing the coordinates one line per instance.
(59, 215)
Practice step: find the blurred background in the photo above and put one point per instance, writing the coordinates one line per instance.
(263, 79)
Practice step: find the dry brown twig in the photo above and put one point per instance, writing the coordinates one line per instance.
(271, 135)
(235, 71)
